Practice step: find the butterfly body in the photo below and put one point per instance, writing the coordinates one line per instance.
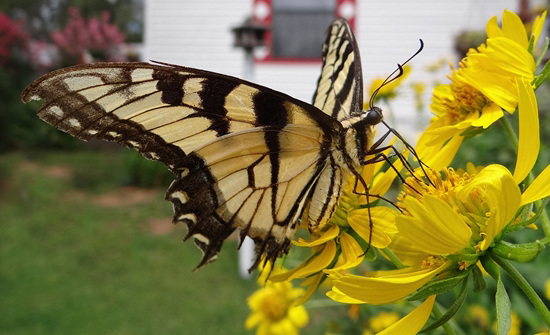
(244, 156)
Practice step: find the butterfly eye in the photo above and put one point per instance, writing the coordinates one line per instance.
(374, 116)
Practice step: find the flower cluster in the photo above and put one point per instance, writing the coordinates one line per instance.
(95, 35)
(12, 38)
(448, 225)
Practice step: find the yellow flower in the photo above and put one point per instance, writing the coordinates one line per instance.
(485, 84)
(383, 320)
(274, 311)
(453, 215)
(336, 245)
(446, 224)
(478, 316)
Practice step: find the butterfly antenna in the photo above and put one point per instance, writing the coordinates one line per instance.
(393, 76)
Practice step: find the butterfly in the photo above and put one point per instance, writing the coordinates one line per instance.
(244, 156)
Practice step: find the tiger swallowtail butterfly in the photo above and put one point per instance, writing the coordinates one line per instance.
(243, 155)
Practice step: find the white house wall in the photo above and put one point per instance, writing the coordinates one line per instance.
(198, 34)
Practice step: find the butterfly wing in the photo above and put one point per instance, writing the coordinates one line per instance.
(244, 156)
(340, 87)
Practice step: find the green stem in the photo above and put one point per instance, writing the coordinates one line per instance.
(446, 326)
(544, 221)
(393, 258)
(510, 132)
(524, 285)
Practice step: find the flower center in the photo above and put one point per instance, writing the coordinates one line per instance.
(467, 100)
(274, 306)
(473, 208)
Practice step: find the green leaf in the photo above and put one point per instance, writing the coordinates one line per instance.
(452, 310)
(504, 309)
(438, 287)
(543, 53)
(525, 252)
(544, 74)
(479, 281)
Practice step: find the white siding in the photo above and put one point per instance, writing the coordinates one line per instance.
(197, 34)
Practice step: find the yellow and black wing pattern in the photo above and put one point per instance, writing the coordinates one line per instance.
(244, 156)
(340, 87)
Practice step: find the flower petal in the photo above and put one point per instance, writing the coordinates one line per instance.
(254, 319)
(317, 263)
(383, 224)
(352, 253)
(536, 28)
(330, 234)
(338, 296)
(492, 28)
(283, 327)
(312, 282)
(529, 138)
(434, 225)
(298, 315)
(539, 188)
(412, 322)
(382, 290)
(440, 156)
(490, 113)
(513, 28)
(502, 195)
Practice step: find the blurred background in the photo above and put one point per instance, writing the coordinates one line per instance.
(86, 240)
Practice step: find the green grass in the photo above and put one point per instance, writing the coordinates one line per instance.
(71, 266)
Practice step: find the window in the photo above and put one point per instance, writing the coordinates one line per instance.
(298, 27)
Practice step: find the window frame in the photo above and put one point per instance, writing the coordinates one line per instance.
(263, 14)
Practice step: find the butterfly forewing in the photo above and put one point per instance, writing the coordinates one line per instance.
(340, 86)
(244, 156)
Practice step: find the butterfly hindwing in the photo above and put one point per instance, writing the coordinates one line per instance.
(340, 86)
(244, 156)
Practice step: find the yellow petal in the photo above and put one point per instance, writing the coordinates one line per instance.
(436, 227)
(492, 28)
(378, 291)
(407, 251)
(503, 200)
(414, 321)
(382, 182)
(312, 282)
(338, 296)
(490, 113)
(514, 29)
(539, 188)
(330, 234)
(438, 157)
(254, 319)
(506, 57)
(282, 327)
(317, 263)
(352, 253)
(537, 27)
(383, 223)
(529, 138)
(298, 315)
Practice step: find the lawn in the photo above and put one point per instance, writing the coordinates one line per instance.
(81, 253)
